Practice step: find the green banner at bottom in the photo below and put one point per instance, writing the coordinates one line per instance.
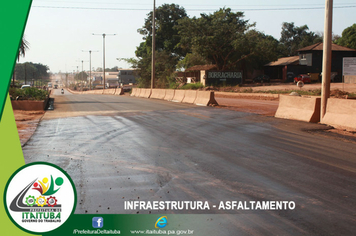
(177, 224)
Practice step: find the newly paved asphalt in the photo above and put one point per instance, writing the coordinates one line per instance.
(121, 148)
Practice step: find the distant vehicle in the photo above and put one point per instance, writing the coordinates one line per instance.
(55, 86)
(304, 78)
(62, 91)
(49, 85)
(25, 86)
(261, 79)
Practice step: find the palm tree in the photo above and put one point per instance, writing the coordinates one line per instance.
(24, 46)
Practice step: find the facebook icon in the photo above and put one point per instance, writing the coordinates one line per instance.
(98, 222)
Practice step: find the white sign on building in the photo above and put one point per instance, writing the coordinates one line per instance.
(349, 66)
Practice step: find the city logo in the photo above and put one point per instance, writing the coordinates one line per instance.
(98, 222)
(39, 197)
(161, 222)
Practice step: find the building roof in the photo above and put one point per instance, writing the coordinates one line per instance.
(111, 77)
(202, 67)
(284, 61)
(319, 47)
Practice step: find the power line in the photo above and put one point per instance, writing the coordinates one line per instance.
(201, 10)
(209, 5)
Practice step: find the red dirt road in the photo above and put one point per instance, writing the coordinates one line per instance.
(262, 107)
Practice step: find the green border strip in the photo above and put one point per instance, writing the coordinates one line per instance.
(11, 159)
(13, 15)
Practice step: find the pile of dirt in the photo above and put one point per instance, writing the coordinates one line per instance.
(339, 94)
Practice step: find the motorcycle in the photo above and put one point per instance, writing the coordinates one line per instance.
(62, 91)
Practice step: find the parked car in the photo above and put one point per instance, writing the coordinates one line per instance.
(25, 86)
(261, 79)
(303, 78)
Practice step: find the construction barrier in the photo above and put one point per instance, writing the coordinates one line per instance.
(299, 108)
(119, 91)
(141, 93)
(201, 98)
(190, 96)
(178, 95)
(145, 93)
(139, 90)
(169, 95)
(340, 113)
(134, 91)
(205, 98)
(109, 91)
(158, 93)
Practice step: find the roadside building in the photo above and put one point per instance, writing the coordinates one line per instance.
(309, 61)
(209, 75)
(111, 79)
(284, 68)
(127, 76)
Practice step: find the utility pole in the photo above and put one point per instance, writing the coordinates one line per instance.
(325, 88)
(104, 54)
(82, 75)
(25, 74)
(33, 76)
(153, 68)
(90, 51)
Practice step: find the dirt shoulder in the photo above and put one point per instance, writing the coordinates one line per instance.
(26, 122)
(350, 88)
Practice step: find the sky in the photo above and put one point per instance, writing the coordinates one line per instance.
(58, 31)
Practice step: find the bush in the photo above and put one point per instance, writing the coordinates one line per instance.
(195, 86)
(29, 94)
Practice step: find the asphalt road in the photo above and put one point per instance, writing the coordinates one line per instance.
(120, 148)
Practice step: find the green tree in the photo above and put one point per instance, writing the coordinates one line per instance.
(191, 59)
(82, 76)
(114, 69)
(42, 70)
(348, 38)
(294, 38)
(259, 49)
(167, 38)
(25, 72)
(217, 37)
(133, 61)
(29, 71)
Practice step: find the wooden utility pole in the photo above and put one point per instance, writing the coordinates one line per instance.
(153, 67)
(325, 89)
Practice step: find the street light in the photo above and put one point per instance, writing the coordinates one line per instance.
(90, 51)
(104, 53)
